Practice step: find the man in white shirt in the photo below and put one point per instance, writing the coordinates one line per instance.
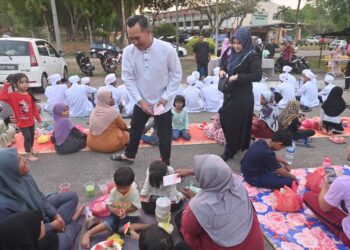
(258, 89)
(323, 94)
(286, 90)
(55, 92)
(213, 98)
(193, 96)
(151, 71)
(76, 97)
(308, 92)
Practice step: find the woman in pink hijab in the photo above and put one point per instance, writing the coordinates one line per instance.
(225, 45)
(108, 131)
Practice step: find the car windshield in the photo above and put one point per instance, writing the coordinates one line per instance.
(14, 48)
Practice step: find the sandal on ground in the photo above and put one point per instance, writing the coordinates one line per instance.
(118, 157)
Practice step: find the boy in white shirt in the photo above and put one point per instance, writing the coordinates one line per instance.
(193, 96)
(323, 94)
(198, 83)
(55, 92)
(213, 98)
(286, 90)
(308, 93)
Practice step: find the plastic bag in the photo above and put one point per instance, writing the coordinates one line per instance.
(287, 200)
(98, 207)
(314, 180)
(42, 139)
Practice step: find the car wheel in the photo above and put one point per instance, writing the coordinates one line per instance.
(44, 83)
(65, 74)
(181, 54)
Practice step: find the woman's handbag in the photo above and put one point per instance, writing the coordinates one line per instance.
(223, 83)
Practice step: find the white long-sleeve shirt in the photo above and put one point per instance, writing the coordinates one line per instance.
(54, 95)
(77, 100)
(153, 73)
(258, 89)
(325, 91)
(308, 94)
(193, 99)
(287, 91)
(213, 98)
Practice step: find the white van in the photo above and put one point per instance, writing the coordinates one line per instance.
(36, 58)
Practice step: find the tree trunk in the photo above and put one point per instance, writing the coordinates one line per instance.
(297, 21)
(124, 38)
(47, 29)
(10, 23)
(89, 28)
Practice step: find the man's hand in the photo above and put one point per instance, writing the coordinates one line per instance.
(183, 172)
(146, 107)
(162, 102)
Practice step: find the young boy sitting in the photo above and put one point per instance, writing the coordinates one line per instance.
(262, 168)
(123, 203)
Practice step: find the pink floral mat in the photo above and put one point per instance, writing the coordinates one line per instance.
(293, 231)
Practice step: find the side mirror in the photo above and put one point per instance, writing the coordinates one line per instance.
(60, 54)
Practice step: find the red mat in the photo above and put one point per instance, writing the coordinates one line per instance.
(197, 134)
(319, 134)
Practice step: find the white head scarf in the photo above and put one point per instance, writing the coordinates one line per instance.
(329, 79)
(287, 69)
(268, 96)
(85, 80)
(305, 70)
(208, 80)
(283, 77)
(216, 71)
(191, 80)
(53, 79)
(222, 206)
(110, 78)
(196, 74)
(74, 79)
(310, 75)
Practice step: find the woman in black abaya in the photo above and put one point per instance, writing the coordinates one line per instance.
(243, 67)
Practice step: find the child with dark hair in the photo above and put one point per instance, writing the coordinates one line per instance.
(262, 168)
(153, 188)
(180, 119)
(123, 203)
(25, 110)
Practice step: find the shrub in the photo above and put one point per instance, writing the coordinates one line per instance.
(166, 29)
(210, 41)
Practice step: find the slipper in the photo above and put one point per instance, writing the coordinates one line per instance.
(118, 157)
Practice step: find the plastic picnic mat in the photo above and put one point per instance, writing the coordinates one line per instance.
(319, 134)
(300, 230)
(196, 131)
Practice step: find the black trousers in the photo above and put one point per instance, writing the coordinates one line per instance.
(300, 134)
(150, 207)
(163, 124)
(28, 134)
(201, 67)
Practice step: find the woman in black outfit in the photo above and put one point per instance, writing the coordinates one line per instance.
(243, 67)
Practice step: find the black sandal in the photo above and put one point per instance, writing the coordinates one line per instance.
(118, 157)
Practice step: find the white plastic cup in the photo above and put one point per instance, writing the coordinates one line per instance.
(102, 185)
(64, 187)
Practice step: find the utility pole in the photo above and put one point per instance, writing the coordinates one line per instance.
(216, 27)
(56, 26)
(177, 27)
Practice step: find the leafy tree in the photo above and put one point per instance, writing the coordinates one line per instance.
(166, 29)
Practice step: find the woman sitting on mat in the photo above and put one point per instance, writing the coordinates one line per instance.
(108, 131)
(331, 110)
(325, 206)
(267, 123)
(66, 138)
(20, 193)
(220, 216)
(291, 119)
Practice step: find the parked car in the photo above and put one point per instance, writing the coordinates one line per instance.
(182, 51)
(325, 40)
(34, 57)
(99, 46)
(312, 40)
(335, 43)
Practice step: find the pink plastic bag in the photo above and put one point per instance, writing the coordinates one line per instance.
(314, 180)
(98, 207)
(287, 200)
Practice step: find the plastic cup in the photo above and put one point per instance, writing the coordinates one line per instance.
(64, 187)
(110, 185)
(90, 189)
(102, 185)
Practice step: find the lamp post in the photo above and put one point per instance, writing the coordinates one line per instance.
(216, 27)
(56, 26)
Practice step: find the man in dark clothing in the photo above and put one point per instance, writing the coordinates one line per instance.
(202, 53)
(271, 47)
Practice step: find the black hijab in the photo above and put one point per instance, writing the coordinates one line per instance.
(21, 231)
(334, 104)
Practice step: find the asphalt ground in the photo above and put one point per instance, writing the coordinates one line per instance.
(79, 168)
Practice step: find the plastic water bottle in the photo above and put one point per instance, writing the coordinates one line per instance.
(289, 155)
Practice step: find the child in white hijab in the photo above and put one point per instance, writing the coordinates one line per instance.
(328, 81)
(55, 92)
(193, 96)
(308, 93)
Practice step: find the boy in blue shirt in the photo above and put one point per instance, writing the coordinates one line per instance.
(262, 168)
